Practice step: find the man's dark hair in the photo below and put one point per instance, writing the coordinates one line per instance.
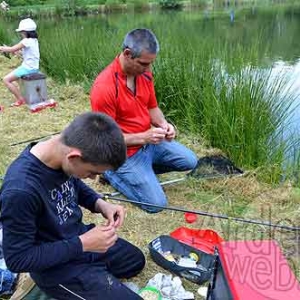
(98, 137)
(139, 40)
(31, 34)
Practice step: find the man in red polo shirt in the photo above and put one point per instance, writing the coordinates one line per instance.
(125, 91)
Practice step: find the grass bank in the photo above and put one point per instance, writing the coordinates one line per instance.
(70, 8)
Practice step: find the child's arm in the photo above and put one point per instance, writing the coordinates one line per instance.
(12, 49)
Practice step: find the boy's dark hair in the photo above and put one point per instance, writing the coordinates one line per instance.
(98, 137)
(141, 39)
(31, 34)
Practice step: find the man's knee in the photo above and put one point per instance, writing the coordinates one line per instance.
(191, 161)
(178, 158)
(151, 209)
(159, 204)
(154, 196)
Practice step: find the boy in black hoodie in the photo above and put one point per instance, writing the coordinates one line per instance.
(43, 231)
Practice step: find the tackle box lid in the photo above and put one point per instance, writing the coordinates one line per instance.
(202, 239)
(257, 269)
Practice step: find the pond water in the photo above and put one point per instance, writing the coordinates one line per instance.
(279, 51)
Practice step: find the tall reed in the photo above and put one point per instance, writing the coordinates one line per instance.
(5, 37)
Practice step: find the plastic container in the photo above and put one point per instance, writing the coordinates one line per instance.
(150, 293)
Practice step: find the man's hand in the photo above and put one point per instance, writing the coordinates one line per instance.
(155, 135)
(171, 133)
(115, 214)
(99, 239)
(159, 121)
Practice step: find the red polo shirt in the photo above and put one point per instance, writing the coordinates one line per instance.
(111, 95)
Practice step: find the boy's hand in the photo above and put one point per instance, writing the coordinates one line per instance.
(115, 214)
(99, 239)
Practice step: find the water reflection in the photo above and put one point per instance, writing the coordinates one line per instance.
(292, 73)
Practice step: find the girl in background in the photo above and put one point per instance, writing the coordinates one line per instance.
(29, 46)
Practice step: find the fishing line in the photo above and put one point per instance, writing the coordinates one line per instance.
(71, 292)
(163, 183)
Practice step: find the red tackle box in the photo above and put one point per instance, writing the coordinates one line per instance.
(252, 270)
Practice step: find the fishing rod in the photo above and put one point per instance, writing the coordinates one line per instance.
(206, 214)
(34, 139)
(28, 141)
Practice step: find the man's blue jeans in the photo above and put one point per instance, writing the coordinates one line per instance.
(136, 178)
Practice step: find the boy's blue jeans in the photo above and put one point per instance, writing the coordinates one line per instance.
(99, 278)
(136, 178)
